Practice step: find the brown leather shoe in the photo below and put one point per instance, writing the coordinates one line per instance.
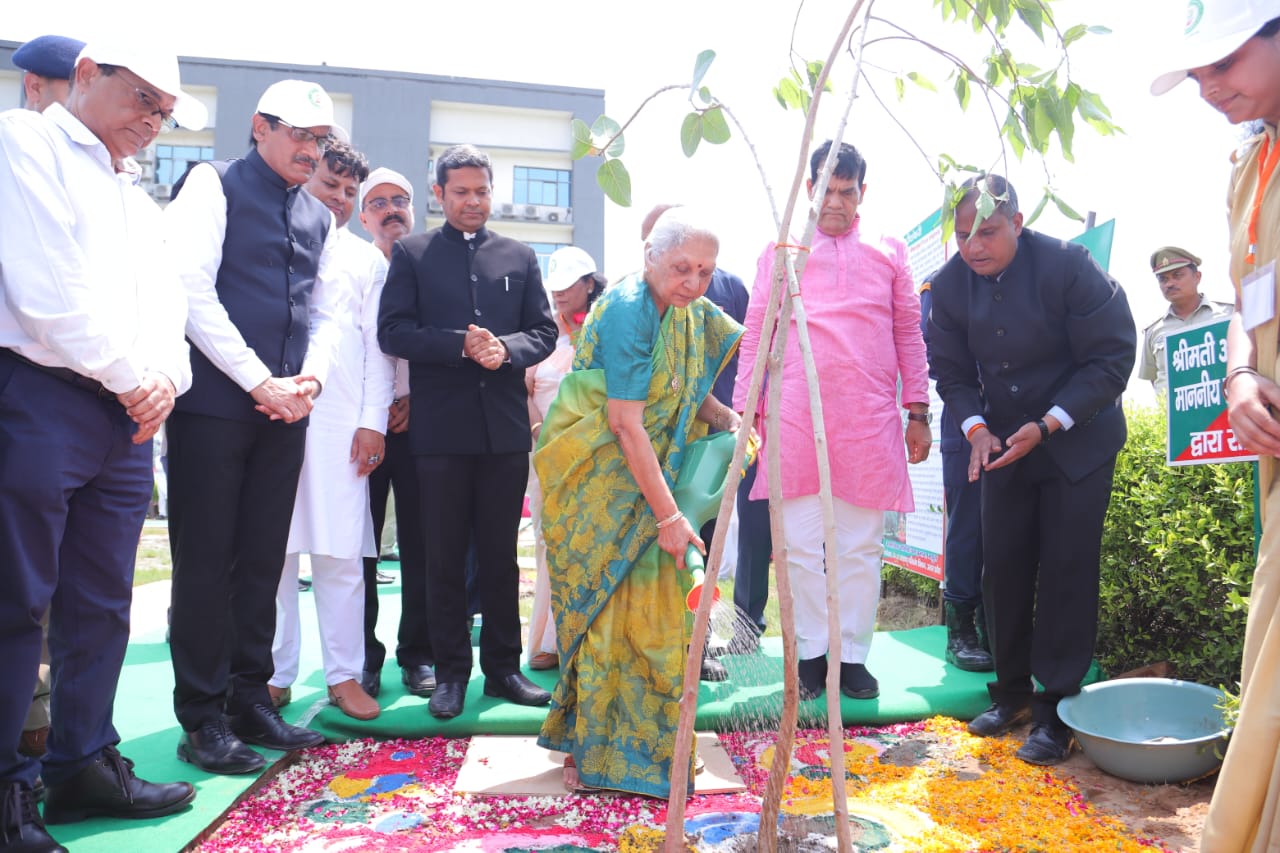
(32, 743)
(544, 660)
(280, 696)
(354, 702)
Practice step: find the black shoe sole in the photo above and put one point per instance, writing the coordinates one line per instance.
(867, 693)
(186, 754)
(984, 666)
(435, 712)
(1046, 760)
(58, 816)
(420, 692)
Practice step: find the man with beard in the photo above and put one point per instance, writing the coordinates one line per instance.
(386, 212)
(253, 251)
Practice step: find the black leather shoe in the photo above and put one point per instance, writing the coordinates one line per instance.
(419, 680)
(371, 681)
(857, 683)
(107, 787)
(382, 577)
(21, 828)
(999, 719)
(813, 677)
(712, 669)
(214, 749)
(446, 703)
(38, 791)
(516, 688)
(1048, 743)
(262, 725)
(745, 641)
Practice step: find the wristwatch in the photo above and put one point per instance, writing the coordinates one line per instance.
(923, 417)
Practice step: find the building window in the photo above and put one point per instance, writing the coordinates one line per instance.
(542, 186)
(544, 250)
(172, 161)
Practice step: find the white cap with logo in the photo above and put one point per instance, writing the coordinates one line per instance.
(1215, 29)
(298, 103)
(565, 266)
(157, 68)
(383, 175)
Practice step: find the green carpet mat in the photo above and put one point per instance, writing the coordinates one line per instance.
(915, 683)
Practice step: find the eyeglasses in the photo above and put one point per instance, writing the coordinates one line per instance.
(147, 103)
(301, 134)
(401, 202)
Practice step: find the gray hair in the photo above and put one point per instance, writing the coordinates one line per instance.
(674, 228)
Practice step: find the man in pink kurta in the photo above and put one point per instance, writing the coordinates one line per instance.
(864, 325)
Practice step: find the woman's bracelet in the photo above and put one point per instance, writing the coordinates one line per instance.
(670, 520)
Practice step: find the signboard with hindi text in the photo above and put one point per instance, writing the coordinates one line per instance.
(1196, 361)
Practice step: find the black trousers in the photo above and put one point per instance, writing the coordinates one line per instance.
(231, 491)
(398, 473)
(963, 549)
(1042, 538)
(755, 549)
(468, 495)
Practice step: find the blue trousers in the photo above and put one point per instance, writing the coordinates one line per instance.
(74, 491)
(962, 566)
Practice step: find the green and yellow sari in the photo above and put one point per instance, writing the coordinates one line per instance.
(617, 597)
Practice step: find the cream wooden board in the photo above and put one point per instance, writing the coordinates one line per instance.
(515, 765)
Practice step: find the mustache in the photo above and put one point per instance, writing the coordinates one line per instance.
(394, 217)
(308, 161)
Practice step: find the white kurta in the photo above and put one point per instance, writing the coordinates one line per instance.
(331, 514)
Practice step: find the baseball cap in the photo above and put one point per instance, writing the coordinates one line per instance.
(383, 175)
(1171, 258)
(49, 56)
(1214, 30)
(567, 265)
(156, 67)
(298, 102)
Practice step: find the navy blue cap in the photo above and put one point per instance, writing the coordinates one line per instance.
(49, 56)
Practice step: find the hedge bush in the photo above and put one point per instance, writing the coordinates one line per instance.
(1177, 561)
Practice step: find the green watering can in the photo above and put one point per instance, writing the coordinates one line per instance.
(698, 491)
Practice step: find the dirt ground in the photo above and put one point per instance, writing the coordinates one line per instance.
(1173, 814)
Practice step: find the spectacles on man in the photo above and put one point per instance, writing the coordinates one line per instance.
(147, 103)
(401, 202)
(301, 134)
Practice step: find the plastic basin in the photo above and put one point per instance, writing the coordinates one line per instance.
(1149, 729)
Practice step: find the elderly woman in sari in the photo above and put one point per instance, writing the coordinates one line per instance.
(611, 448)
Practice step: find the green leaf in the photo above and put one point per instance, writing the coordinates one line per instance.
(814, 71)
(900, 86)
(715, 129)
(1035, 214)
(1067, 210)
(962, 90)
(1074, 34)
(615, 180)
(604, 130)
(1100, 30)
(922, 81)
(704, 95)
(690, 133)
(788, 93)
(700, 66)
(581, 139)
(1033, 17)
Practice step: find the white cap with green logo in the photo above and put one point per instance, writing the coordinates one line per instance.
(1215, 29)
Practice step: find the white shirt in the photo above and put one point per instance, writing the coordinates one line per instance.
(362, 375)
(84, 274)
(196, 225)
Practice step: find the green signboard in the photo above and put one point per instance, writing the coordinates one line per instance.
(1196, 360)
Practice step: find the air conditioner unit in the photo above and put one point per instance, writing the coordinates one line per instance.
(553, 215)
(530, 211)
(507, 210)
(161, 191)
